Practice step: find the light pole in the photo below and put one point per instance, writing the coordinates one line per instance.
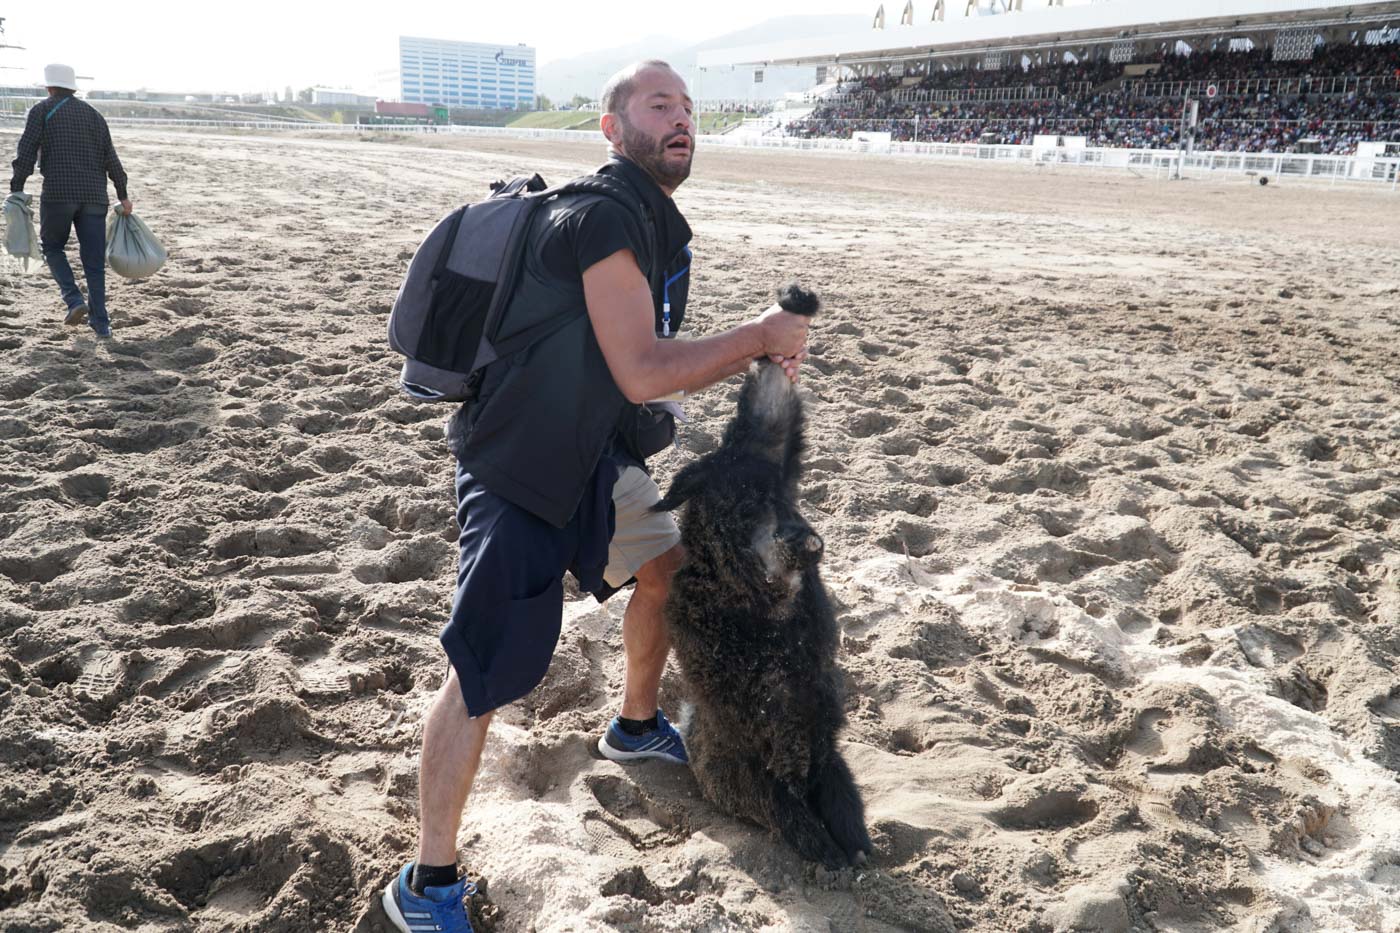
(1186, 136)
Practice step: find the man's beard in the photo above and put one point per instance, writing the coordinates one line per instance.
(650, 153)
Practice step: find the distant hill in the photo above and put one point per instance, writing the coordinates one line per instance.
(585, 74)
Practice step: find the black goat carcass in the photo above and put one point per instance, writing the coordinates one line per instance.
(755, 634)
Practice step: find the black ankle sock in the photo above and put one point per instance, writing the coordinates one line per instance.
(636, 726)
(431, 876)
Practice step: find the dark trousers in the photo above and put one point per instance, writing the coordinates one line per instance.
(509, 606)
(56, 220)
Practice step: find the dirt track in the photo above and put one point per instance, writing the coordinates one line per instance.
(1106, 468)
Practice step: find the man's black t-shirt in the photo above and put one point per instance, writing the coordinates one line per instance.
(578, 237)
(574, 237)
(546, 415)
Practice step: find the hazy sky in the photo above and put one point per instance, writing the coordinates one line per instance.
(258, 44)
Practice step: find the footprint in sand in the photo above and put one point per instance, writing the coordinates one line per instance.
(268, 541)
(147, 438)
(19, 387)
(326, 678)
(39, 568)
(334, 459)
(188, 358)
(633, 882)
(1264, 647)
(906, 536)
(100, 677)
(900, 446)
(231, 881)
(625, 822)
(86, 488)
(1044, 803)
(211, 680)
(245, 728)
(1386, 708)
(418, 559)
(1025, 478)
(871, 423)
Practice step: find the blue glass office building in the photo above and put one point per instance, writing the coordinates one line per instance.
(466, 74)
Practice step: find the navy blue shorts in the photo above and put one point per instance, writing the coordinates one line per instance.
(510, 593)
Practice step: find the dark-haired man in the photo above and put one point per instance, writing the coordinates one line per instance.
(74, 149)
(550, 468)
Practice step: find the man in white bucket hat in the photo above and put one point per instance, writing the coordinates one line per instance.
(74, 149)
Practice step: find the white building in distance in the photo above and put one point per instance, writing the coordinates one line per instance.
(476, 75)
(340, 97)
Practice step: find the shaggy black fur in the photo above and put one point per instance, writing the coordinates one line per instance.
(755, 634)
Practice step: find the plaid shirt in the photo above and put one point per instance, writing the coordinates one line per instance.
(74, 149)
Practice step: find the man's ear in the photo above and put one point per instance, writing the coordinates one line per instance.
(608, 124)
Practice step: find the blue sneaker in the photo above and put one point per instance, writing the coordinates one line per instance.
(663, 742)
(439, 910)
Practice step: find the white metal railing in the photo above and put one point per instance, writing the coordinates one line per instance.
(1162, 162)
(1009, 93)
(853, 97)
(1086, 126)
(1230, 87)
(1247, 87)
(13, 103)
(734, 105)
(1374, 170)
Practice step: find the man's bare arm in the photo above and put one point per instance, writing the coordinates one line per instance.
(645, 367)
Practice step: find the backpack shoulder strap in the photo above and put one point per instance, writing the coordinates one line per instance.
(601, 185)
(588, 184)
(609, 187)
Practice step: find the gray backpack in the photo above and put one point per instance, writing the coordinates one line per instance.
(459, 283)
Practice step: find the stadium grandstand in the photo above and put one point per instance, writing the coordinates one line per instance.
(1266, 76)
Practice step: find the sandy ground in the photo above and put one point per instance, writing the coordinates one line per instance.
(1106, 468)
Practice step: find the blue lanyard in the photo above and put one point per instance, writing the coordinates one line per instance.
(666, 296)
(49, 116)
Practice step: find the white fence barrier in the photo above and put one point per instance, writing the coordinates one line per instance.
(1250, 87)
(1159, 162)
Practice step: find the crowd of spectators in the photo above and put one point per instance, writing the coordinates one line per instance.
(1115, 117)
(1327, 60)
(1063, 77)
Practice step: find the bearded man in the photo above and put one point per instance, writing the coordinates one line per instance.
(551, 473)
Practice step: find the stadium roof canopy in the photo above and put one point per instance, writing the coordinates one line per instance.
(1057, 26)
